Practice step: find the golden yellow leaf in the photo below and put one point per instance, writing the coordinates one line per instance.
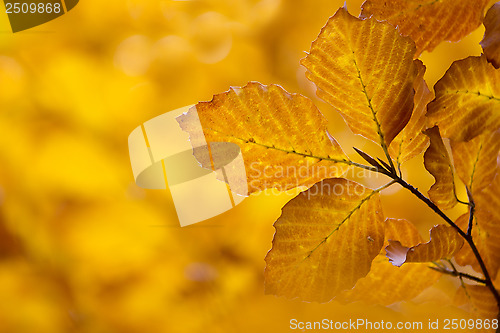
(386, 283)
(480, 299)
(410, 142)
(283, 137)
(326, 239)
(364, 69)
(437, 162)
(428, 23)
(485, 230)
(476, 160)
(491, 40)
(443, 244)
(467, 100)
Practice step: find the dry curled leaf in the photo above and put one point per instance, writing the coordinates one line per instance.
(437, 162)
(491, 40)
(386, 283)
(476, 160)
(365, 70)
(467, 101)
(410, 142)
(428, 23)
(283, 137)
(485, 230)
(443, 244)
(326, 239)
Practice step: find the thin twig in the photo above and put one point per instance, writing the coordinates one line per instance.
(466, 236)
(455, 272)
(472, 209)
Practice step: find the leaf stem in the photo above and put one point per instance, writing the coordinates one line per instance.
(472, 209)
(455, 272)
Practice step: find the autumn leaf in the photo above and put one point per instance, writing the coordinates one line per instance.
(491, 40)
(443, 244)
(283, 137)
(385, 283)
(437, 162)
(476, 160)
(365, 70)
(485, 230)
(467, 101)
(410, 142)
(326, 239)
(481, 301)
(428, 23)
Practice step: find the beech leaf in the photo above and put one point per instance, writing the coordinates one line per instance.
(428, 23)
(467, 101)
(386, 283)
(485, 230)
(491, 40)
(443, 244)
(437, 162)
(410, 142)
(326, 239)
(476, 161)
(365, 70)
(283, 137)
(481, 301)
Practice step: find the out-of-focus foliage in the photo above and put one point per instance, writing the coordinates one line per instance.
(82, 248)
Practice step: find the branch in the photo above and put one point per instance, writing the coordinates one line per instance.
(472, 209)
(466, 236)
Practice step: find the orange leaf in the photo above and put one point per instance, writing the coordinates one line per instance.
(476, 161)
(443, 244)
(410, 142)
(467, 100)
(326, 239)
(491, 40)
(428, 23)
(364, 69)
(480, 299)
(283, 137)
(386, 283)
(437, 162)
(485, 230)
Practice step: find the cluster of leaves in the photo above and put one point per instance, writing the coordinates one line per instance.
(333, 240)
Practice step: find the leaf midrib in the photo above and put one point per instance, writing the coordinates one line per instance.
(475, 93)
(345, 161)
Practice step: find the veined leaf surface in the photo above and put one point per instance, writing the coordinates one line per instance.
(326, 239)
(283, 137)
(364, 69)
(428, 22)
(467, 101)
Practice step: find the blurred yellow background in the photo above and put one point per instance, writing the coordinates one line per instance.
(82, 248)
